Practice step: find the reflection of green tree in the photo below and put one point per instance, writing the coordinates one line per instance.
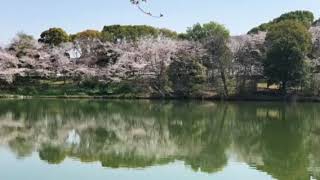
(210, 160)
(315, 156)
(52, 154)
(114, 160)
(274, 137)
(93, 140)
(21, 146)
(284, 154)
(101, 135)
(211, 136)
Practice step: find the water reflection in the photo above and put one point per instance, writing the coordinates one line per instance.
(281, 140)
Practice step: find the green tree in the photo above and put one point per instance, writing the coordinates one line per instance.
(116, 33)
(214, 37)
(202, 32)
(288, 43)
(87, 35)
(54, 36)
(304, 17)
(186, 74)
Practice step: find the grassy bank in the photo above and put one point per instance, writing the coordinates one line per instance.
(91, 89)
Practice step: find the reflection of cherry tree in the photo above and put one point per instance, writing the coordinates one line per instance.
(280, 140)
(124, 135)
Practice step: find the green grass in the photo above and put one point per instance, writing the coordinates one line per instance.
(27, 87)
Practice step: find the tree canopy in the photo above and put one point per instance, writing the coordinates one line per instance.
(54, 36)
(116, 33)
(304, 17)
(287, 42)
(87, 34)
(200, 32)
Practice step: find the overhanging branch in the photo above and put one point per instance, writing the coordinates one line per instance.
(138, 3)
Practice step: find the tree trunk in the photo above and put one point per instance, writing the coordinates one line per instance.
(224, 82)
(284, 87)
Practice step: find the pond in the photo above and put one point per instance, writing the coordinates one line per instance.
(157, 140)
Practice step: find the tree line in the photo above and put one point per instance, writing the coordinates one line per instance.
(203, 60)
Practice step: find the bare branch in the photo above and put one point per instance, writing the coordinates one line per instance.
(138, 3)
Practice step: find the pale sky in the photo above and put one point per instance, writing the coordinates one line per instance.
(35, 16)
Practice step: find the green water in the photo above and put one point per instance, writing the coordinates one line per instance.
(158, 140)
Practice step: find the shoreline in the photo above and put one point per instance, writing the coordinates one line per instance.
(287, 98)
